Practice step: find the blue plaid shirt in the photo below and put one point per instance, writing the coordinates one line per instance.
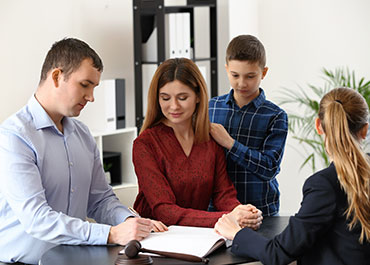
(260, 129)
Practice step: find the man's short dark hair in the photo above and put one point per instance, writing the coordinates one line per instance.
(67, 54)
(246, 48)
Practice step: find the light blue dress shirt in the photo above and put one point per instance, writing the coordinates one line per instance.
(49, 183)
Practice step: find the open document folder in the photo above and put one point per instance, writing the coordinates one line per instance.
(197, 241)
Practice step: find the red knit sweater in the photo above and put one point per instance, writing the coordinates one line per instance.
(177, 189)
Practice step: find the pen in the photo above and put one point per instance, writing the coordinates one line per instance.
(132, 210)
(136, 214)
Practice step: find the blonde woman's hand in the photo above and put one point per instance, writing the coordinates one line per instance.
(247, 216)
(227, 226)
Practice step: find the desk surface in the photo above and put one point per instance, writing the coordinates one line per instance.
(97, 255)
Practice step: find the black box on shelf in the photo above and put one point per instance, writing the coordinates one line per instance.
(112, 164)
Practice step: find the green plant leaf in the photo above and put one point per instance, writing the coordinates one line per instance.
(301, 124)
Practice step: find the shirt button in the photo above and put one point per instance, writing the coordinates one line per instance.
(71, 163)
(72, 190)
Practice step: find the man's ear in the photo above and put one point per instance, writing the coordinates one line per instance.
(363, 131)
(56, 75)
(318, 126)
(264, 72)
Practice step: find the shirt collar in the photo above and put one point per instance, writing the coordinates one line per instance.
(42, 119)
(258, 101)
(230, 97)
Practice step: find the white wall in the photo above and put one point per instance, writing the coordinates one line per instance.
(243, 16)
(29, 28)
(300, 37)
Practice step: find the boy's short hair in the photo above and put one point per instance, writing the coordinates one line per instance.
(246, 48)
(68, 54)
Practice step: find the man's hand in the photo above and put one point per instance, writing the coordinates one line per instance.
(221, 136)
(227, 226)
(132, 228)
(247, 216)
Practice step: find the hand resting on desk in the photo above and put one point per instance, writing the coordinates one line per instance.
(158, 226)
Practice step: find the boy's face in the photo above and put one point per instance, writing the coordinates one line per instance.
(245, 79)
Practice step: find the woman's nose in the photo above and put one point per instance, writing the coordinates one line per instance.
(174, 104)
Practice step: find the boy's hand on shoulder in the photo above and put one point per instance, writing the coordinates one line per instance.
(221, 136)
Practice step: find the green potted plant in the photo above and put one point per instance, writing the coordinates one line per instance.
(301, 123)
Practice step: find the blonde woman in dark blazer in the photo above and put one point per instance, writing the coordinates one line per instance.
(333, 223)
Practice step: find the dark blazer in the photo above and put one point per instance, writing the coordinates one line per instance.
(317, 234)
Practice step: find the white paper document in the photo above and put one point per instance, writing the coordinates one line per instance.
(196, 241)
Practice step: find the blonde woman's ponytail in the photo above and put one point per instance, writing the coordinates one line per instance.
(343, 113)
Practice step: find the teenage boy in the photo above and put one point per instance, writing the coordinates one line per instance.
(51, 176)
(252, 129)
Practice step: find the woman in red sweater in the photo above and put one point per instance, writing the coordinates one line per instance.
(179, 167)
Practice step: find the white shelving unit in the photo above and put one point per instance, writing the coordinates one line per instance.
(121, 140)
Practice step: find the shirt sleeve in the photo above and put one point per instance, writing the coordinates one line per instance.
(22, 188)
(103, 205)
(159, 195)
(224, 192)
(264, 162)
(311, 222)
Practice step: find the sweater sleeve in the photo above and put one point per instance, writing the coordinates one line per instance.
(158, 194)
(224, 192)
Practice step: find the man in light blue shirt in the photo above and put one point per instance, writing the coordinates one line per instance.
(51, 176)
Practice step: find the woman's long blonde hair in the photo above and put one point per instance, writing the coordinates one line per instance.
(343, 113)
(187, 72)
